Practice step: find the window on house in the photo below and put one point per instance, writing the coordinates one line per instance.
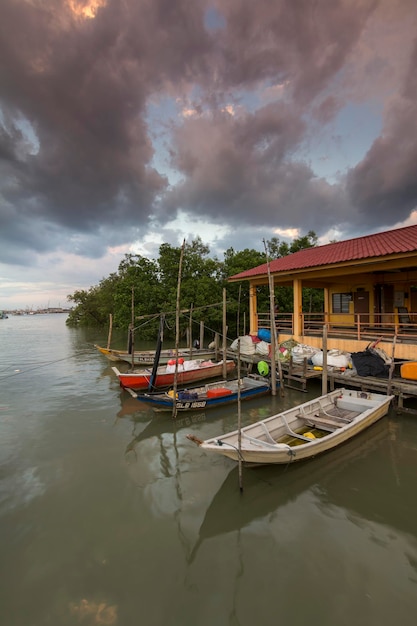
(340, 302)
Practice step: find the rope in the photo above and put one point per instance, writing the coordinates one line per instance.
(223, 443)
(39, 365)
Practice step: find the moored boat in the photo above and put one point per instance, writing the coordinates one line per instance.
(207, 396)
(187, 372)
(109, 353)
(147, 357)
(302, 432)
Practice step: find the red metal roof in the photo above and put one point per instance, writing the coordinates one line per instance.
(371, 246)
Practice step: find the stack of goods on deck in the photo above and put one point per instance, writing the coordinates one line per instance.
(259, 346)
(254, 345)
(370, 362)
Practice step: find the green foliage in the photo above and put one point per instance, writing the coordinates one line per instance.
(149, 287)
(238, 293)
(307, 241)
(313, 299)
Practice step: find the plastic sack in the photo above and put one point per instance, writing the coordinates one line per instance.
(301, 352)
(246, 345)
(263, 348)
(191, 365)
(335, 358)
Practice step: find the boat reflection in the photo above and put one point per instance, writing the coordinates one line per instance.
(158, 427)
(132, 406)
(159, 424)
(345, 478)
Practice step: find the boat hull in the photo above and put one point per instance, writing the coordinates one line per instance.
(112, 355)
(141, 379)
(147, 357)
(266, 442)
(211, 396)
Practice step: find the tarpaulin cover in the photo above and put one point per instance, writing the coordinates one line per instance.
(368, 363)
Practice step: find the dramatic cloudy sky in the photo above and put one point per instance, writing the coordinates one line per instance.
(127, 123)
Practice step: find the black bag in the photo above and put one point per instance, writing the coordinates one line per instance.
(369, 363)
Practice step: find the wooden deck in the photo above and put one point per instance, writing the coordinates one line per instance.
(400, 388)
(297, 376)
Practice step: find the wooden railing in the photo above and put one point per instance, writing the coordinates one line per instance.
(360, 326)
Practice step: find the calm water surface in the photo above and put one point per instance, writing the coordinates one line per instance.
(109, 515)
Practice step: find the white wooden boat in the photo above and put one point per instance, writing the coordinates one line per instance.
(303, 431)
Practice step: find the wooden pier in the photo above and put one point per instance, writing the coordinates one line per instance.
(398, 387)
(297, 376)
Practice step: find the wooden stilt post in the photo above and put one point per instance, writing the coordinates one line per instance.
(392, 365)
(201, 334)
(238, 312)
(190, 332)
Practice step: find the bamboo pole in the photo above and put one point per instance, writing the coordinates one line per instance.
(159, 342)
(274, 340)
(224, 336)
(133, 327)
(177, 331)
(110, 331)
(190, 333)
(324, 371)
(239, 419)
(238, 312)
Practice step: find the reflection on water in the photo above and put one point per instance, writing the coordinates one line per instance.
(268, 488)
(109, 515)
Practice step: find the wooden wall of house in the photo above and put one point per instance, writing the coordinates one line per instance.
(376, 296)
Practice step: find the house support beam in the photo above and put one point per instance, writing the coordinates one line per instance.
(298, 306)
(326, 294)
(253, 310)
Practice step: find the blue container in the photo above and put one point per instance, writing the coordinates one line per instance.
(264, 334)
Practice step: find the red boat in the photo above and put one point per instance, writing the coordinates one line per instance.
(188, 372)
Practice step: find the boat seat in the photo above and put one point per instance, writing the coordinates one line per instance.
(267, 433)
(267, 444)
(321, 421)
(292, 432)
(336, 413)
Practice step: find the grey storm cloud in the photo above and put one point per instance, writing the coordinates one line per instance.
(77, 151)
(245, 171)
(386, 180)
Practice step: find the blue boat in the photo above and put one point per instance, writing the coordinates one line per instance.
(210, 395)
